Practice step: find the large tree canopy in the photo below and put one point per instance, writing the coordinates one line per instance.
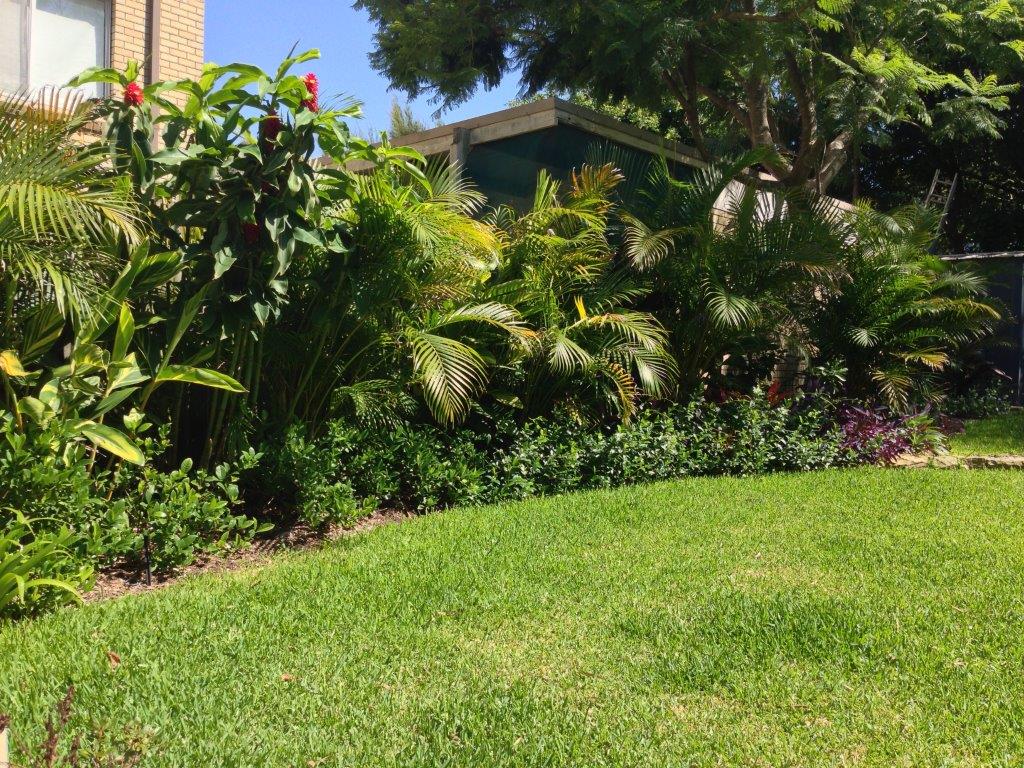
(809, 79)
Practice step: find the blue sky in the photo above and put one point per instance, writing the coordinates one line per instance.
(262, 32)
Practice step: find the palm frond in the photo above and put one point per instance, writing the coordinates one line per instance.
(60, 208)
(450, 373)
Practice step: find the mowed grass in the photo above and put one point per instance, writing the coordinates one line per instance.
(863, 617)
(995, 435)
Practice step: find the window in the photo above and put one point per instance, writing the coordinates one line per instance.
(47, 42)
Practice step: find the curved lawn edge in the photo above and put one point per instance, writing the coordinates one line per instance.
(865, 615)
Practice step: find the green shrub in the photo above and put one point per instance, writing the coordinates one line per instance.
(176, 516)
(122, 513)
(46, 475)
(38, 569)
(352, 470)
(979, 402)
(300, 476)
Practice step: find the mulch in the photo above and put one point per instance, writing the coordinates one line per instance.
(118, 581)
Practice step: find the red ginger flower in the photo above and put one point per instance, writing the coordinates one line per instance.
(313, 86)
(133, 95)
(271, 127)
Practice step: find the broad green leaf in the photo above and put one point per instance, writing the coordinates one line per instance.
(125, 331)
(125, 373)
(99, 75)
(33, 409)
(308, 237)
(113, 441)
(202, 376)
(113, 400)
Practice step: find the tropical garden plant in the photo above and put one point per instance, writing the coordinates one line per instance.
(731, 267)
(61, 215)
(37, 569)
(899, 314)
(381, 336)
(559, 269)
(399, 314)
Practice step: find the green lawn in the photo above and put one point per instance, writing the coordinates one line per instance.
(863, 617)
(992, 436)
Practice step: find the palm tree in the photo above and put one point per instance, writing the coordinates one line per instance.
(398, 310)
(730, 276)
(558, 269)
(899, 314)
(63, 216)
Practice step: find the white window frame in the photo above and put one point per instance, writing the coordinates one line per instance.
(26, 46)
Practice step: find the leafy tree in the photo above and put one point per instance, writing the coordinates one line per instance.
(807, 79)
(403, 121)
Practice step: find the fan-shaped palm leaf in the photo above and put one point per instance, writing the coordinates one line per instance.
(60, 209)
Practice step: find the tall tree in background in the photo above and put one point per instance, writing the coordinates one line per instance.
(403, 121)
(985, 214)
(807, 79)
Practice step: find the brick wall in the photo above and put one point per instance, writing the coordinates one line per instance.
(180, 49)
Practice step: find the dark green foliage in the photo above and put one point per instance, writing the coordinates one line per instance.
(175, 516)
(733, 270)
(979, 401)
(742, 437)
(899, 315)
(807, 80)
(125, 515)
(351, 471)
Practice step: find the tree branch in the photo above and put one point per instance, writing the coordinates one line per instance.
(833, 159)
(753, 16)
(804, 100)
(726, 105)
(688, 100)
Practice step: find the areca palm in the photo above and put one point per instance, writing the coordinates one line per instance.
(62, 214)
(900, 314)
(732, 267)
(559, 270)
(399, 309)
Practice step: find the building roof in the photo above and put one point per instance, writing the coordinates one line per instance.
(547, 113)
(456, 138)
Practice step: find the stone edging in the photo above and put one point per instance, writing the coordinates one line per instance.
(948, 461)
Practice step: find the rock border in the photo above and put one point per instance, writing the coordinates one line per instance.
(949, 461)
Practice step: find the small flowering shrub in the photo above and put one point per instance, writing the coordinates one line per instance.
(226, 167)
